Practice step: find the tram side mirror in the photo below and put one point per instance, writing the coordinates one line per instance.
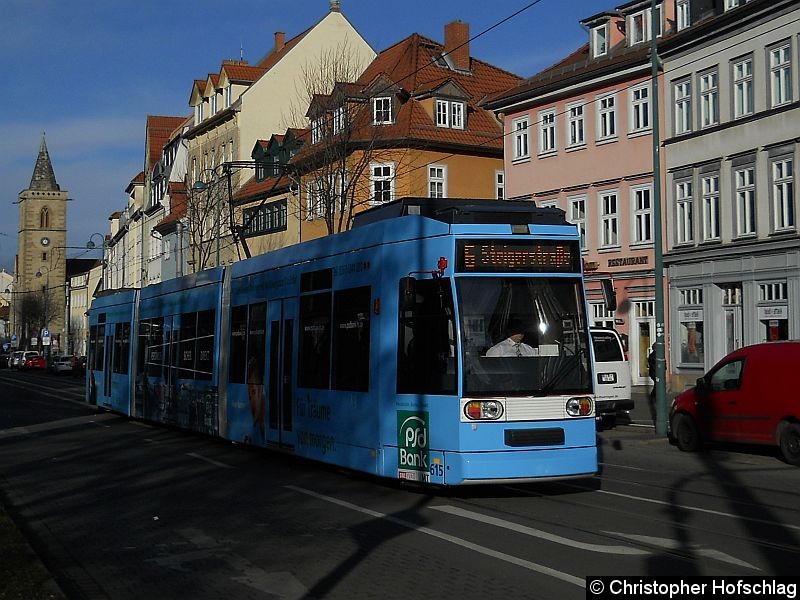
(408, 293)
(609, 295)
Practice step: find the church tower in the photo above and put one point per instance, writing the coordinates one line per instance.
(41, 265)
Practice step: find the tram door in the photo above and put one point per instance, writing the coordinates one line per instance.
(282, 319)
(107, 362)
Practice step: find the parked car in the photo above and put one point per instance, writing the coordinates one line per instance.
(15, 359)
(60, 364)
(35, 362)
(21, 359)
(612, 374)
(749, 396)
(78, 366)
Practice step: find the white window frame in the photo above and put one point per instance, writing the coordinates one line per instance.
(683, 14)
(642, 205)
(780, 74)
(742, 78)
(608, 200)
(547, 131)
(745, 189)
(638, 34)
(783, 207)
(228, 95)
(521, 138)
(640, 109)
(731, 4)
(683, 106)
(607, 117)
(386, 174)
(709, 190)
(709, 98)
(213, 103)
(600, 40)
(339, 119)
(576, 124)
(577, 216)
(437, 181)
(684, 213)
(316, 130)
(442, 113)
(500, 184)
(457, 112)
(382, 110)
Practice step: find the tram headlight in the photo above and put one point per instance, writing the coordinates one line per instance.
(483, 410)
(579, 407)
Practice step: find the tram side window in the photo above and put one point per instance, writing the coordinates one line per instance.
(426, 338)
(315, 341)
(256, 343)
(122, 343)
(238, 350)
(196, 359)
(206, 327)
(144, 335)
(155, 348)
(97, 339)
(351, 313)
(188, 341)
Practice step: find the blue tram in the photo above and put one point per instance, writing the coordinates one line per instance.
(439, 341)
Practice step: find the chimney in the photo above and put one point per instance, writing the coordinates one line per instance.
(280, 40)
(456, 44)
(335, 7)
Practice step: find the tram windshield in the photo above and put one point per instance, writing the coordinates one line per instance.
(523, 336)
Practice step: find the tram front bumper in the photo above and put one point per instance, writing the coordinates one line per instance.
(519, 466)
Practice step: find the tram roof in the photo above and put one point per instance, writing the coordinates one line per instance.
(464, 210)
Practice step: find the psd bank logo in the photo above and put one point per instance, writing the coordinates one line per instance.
(413, 454)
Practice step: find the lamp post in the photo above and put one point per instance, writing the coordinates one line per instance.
(13, 304)
(91, 246)
(46, 317)
(201, 186)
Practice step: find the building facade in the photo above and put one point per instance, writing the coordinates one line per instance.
(579, 137)
(731, 146)
(39, 299)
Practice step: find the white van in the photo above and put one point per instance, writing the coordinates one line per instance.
(612, 373)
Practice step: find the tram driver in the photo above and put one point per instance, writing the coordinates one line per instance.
(512, 345)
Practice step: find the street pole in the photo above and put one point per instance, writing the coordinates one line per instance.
(660, 382)
(218, 213)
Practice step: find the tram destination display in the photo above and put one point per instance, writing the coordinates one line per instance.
(502, 256)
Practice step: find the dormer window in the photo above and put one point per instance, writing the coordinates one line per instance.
(450, 114)
(198, 113)
(339, 120)
(213, 101)
(382, 111)
(639, 25)
(316, 130)
(729, 4)
(683, 14)
(600, 40)
(228, 95)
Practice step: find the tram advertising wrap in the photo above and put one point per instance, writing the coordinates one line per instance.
(437, 342)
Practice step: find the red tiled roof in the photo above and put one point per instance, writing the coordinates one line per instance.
(159, 130)
(411, 65)
(177, 208)
(242, 73)
(253, 190)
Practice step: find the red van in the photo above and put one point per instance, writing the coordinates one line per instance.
(749, 396)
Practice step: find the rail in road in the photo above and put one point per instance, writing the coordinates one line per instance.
(129, 510)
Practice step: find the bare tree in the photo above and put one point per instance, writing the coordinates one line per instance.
(36, 310)
(343, 142)
(207, 219)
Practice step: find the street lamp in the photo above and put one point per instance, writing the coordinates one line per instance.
(201, 186)
(91, 246)
(46, 295)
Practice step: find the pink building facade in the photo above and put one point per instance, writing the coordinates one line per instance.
(579, 137)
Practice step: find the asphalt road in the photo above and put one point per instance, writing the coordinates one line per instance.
(121, 510)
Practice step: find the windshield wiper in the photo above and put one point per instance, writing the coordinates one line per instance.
(569, 362)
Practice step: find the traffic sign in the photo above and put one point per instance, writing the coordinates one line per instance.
(45, 337)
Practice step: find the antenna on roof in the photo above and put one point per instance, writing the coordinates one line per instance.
(241, 50)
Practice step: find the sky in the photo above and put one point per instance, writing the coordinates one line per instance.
(88, 72)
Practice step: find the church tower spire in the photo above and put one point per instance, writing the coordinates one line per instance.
(43, 178)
